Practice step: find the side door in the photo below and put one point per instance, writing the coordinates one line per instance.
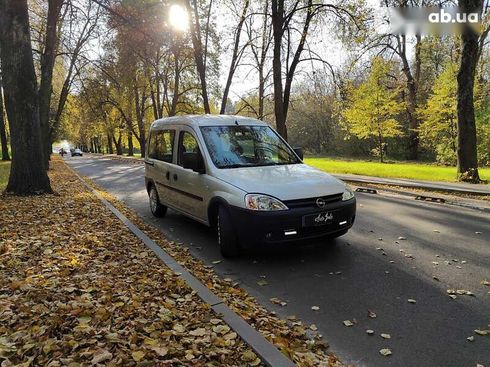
(191, 188)
(159, 163)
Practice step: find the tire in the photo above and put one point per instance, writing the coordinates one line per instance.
(157, 209)
(227, 239)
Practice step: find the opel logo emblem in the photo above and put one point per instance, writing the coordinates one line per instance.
(320, 203)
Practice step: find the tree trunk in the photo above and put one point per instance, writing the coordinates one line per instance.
(3, 132)
(262, 59)
(110, 149)
(412, 86)
(467, 153)
(118, 144)
(175, 96)
(47, 65)
(27, 173)
(235, 58)
(130, 144)
(277, 26)
(140, 108)
(195, 29)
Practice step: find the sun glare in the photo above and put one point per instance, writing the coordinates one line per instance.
(178, 18)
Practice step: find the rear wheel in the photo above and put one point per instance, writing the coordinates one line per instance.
(227, 239)
(157, 209)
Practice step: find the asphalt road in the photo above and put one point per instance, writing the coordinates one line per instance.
(364, 270)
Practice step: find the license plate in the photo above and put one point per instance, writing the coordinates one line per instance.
(318, 219)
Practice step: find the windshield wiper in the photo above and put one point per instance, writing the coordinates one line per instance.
(236, 166)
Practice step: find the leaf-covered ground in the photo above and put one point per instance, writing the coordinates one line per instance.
(78, 288)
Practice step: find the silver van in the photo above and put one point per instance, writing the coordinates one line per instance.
(239, 176)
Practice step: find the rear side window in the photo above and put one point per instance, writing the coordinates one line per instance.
(187, 144)
(162, 145)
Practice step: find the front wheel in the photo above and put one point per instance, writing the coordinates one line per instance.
(157, 209)
(227, 239)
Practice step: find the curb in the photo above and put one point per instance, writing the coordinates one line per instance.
(266, 351)
(414, 196)
(414, 185)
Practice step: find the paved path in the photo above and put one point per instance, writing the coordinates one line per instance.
(350, 276)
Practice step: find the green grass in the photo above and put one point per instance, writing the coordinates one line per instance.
(415, 171)
(4, 174)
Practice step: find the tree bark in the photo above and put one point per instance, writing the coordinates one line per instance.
(281, 96)
(118, 144)
(412, 88)
(277, 26)
(199, 58)
(140, 108)
(130, 144)
(235, 58)
(3, 132)
(467, 151)
(47, 65)
(27, 172)
(175, 96)
(110, 149)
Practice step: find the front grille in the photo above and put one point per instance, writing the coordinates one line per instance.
(311, 202)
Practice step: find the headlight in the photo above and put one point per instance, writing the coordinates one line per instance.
(348, 194)
(263, 202)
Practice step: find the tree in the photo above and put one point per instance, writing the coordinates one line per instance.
(200, 51)
(236, 56)
(3, 132)
(438, 129)
(27, 172)
(291, 34)
(374, 106)
(471, 51)
(48, 57)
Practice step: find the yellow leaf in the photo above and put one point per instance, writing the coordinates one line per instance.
(138, 355)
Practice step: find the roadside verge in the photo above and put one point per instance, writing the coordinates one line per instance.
(78, 287)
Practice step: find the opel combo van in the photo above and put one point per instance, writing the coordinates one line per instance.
(239, 176)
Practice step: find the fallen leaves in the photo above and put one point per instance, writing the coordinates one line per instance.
(372, 314)
(78, 286)
(385, 352)
(482, 332)
(460, 292)
(348, 323)
(411, 300)
(277, 301)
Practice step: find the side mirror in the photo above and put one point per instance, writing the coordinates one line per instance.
(193, 161)
(299, 152)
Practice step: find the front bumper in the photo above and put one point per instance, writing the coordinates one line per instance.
(253, 227)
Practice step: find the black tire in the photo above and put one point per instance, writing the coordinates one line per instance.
(157, 209)
(227, 239)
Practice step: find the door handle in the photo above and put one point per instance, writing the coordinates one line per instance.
(175, 177)
(167, 175)
(150, 163)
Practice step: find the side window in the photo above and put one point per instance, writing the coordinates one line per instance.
(187, 144)
(162, 145)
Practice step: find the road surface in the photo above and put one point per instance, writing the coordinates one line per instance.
(369, 269)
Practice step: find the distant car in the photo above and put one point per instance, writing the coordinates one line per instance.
(76, 152)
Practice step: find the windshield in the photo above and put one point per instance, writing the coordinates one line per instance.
(246, 146)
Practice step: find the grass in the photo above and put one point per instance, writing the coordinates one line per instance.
(4, 174)
(407, 170)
